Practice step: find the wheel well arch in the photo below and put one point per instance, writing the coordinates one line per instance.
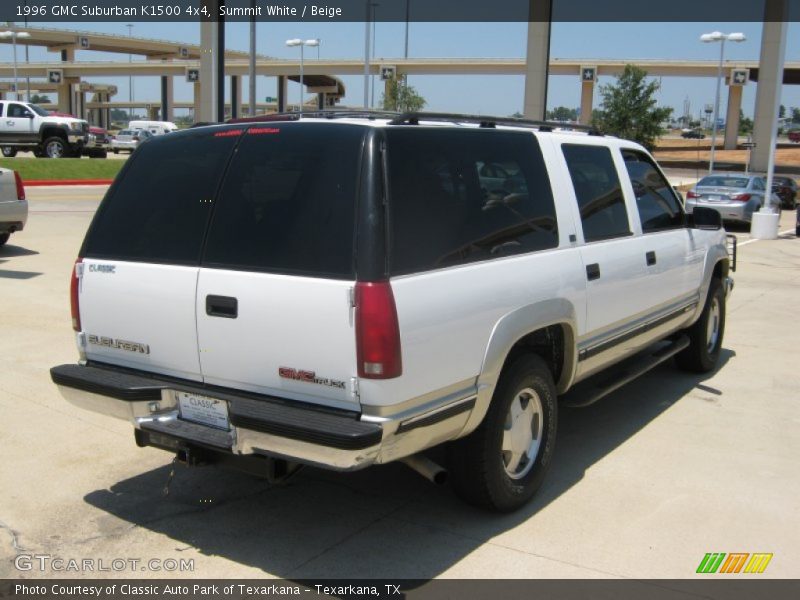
(53, 131)
(547, 329)
(721, 269)
(549, 343)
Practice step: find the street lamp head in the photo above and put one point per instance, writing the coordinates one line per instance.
(294, 42)
(23, 34)
(737, 37)
(714, 36)
(6, 34)
(313, 42)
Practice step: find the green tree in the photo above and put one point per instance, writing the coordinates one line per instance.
(745, 124)
(629, 108)
(796, 115)
(402, 97)
(37, 99)
(781, 111)
(562, 113)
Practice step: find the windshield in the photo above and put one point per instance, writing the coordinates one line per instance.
(717, 181)
(39, 110)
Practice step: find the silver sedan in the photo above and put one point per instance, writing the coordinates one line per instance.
(735, 196)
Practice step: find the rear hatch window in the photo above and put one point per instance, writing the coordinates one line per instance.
(288, 202)
(158, 209)
(286, 205)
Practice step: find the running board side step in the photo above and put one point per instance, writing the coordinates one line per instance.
(598, 387)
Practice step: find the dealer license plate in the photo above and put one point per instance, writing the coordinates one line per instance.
(203, 410)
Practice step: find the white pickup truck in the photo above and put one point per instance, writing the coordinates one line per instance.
(26, 126)
(347, 289)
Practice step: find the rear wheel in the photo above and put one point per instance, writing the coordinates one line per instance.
(705, 336)
(115, 151)
(9, 152)
(4, 238)
(503, 462)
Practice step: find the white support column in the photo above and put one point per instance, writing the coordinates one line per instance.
(206, 109)
(732, 117)
(536, 66)
(587, 101)
(768, 92)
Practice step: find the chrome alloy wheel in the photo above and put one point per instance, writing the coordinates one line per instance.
(522, 433)
(55, 149)
(712, 329)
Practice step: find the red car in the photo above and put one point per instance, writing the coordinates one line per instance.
(794, 136)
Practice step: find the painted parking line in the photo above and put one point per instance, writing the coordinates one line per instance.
(755, 240)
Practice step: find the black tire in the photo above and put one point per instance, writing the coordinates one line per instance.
(115, 151)
(9, 152)
(703, 352)
(98, 154)
(4, 238)
(479, 466)
(56, 147)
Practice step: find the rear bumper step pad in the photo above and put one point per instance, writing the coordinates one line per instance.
(275, 416)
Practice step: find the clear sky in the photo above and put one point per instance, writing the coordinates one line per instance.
(492, 94)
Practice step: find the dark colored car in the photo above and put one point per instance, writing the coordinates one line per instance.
(786, 189)
(794, 136)
(693, 134)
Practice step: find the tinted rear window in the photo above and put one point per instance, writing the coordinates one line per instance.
(158, 209)
(288, 202)
(463, 195)
(716, 181)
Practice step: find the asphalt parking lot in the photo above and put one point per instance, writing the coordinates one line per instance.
(644, 483)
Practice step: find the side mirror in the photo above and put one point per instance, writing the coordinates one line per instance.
(29, 115)
(705, 218)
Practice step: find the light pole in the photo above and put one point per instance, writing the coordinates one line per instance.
(302, 43)
(718, 36)
(14, 35)
(130, 77)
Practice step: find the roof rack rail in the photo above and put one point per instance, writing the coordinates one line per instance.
(331, 113)
(413, 118)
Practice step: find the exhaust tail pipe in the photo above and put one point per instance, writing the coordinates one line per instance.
(426, 467)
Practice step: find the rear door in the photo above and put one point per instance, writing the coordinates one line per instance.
(273, 297)
(141, 255)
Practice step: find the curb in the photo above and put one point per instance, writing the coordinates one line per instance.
(39, 182)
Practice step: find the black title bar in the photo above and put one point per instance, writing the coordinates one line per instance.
(720, 11)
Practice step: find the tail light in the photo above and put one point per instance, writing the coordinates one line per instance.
(741, 197)
(73, 295)
(20, 187)
(377, 331)
(691, 194)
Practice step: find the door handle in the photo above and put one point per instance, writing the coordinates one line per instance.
(593, 271)
(651, 258)
(222, 306)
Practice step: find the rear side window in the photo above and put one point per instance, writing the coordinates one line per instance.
(288, 201)
(158, 209)
(463, 195)
(656, 201)
(598, 191)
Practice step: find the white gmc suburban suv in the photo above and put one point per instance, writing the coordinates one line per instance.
(344, 289)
